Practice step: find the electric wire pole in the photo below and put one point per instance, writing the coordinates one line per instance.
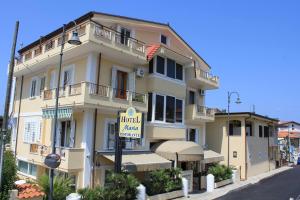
(7, 100)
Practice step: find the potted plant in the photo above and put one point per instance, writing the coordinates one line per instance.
(222, 174)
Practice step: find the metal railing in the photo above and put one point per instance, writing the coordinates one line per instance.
(99, 90)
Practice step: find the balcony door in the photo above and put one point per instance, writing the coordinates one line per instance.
(121, 90)
(125, 35)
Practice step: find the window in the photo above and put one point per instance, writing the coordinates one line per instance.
(249, 129)
(42, 83)
(167, 109)
(260, 131)
(170, 68)
(149, 113)
(33, 92)
(27, 168)
(170, 109)
(163, 39)
(32, 131)
(159, 108)
(160, 65)
(67, 78)
(28, 55)
(178, 110)
(127, 143)
(266, 131)
(179, 71)
(38, 51)
(125, 35)
(192, 135)
(66, 137)
(235, 127)
(151, 66)
(49, 45)
(191, 97)
(121, 87)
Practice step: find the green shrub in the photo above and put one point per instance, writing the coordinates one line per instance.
(162, 181)
(121, 186)
(9, 174)
(220, 172)
(62, 187)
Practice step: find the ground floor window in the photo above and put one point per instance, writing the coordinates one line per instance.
(192, 134)
(27, 168)
(128, 143)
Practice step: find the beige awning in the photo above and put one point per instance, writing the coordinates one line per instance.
(212, 157)
(183, 150)
(142, 161)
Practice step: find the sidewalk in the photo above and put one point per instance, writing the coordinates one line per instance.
(239, 185)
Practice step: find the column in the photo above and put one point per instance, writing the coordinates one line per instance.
(91, 67)
(87, 144)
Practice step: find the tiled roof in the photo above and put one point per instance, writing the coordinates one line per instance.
(292, 134)
(151, 50)
(27, 191)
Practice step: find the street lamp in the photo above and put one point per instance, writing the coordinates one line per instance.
(74, 41)
(238, 101)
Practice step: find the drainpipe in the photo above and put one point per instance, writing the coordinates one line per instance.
(246, 154)
(19, 110)
(95, 125)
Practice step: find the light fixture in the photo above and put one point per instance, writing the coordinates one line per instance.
(238, 101)
(74, 39)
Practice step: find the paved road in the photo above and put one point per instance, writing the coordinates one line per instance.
(279, 187)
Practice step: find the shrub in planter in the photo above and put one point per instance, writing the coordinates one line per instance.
(220, 172)
(162, 181)
(9, 174)
(89, 194)
(62, 187)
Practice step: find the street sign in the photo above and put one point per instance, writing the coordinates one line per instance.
(131, 124)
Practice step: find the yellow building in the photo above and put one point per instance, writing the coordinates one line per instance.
(252, 141)
(121, 62)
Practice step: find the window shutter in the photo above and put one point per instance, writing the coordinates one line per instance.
(72, 135)
(113, 77)
(26, 131)
(131, 83)
(38, 126)
(53, 79)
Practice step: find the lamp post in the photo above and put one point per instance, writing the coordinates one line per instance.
(74, 41)
(238, 101)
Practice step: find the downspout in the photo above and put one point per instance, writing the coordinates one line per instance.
(95, 124)
(19, 110)
(246, 154)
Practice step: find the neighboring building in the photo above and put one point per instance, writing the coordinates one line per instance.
(252, 141)
(121, 62)
(1, 121)
(289, 133)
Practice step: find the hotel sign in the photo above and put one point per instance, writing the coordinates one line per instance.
(131, 124)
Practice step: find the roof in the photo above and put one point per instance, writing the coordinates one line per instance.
(249, 114)
(89, 15)
(291, 134)
(28, 191)
(151, 50)
(288, 122)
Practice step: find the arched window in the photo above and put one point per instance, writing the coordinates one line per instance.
(235, 127)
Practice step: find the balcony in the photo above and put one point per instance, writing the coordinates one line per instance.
(196, 113)
(199, 78)
(94, 37)
(86, 94)
(70, 157)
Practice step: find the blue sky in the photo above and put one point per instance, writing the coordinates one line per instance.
(253, 45)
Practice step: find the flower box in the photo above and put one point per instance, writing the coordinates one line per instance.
(168, 195)
(223, 183)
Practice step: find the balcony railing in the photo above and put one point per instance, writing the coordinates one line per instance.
(115, 38)
(95, 90)
(202, 110)
(206, 75)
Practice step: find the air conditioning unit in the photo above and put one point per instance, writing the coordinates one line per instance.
(140, 72)
(201, 92)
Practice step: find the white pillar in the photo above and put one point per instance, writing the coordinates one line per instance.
(141, 192)
(210, 183)
(87, 144)
(185, 186)
(91, 67)
(204, 134)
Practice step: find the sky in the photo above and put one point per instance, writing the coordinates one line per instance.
(252, 45)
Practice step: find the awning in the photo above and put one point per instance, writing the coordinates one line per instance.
(212, 157)
(183, 150)
(62, 113)
(142, 161)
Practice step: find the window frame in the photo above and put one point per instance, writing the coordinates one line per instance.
(153, 120)
(197, 133)
(164, 75)
(29, 168)
(33, 96)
